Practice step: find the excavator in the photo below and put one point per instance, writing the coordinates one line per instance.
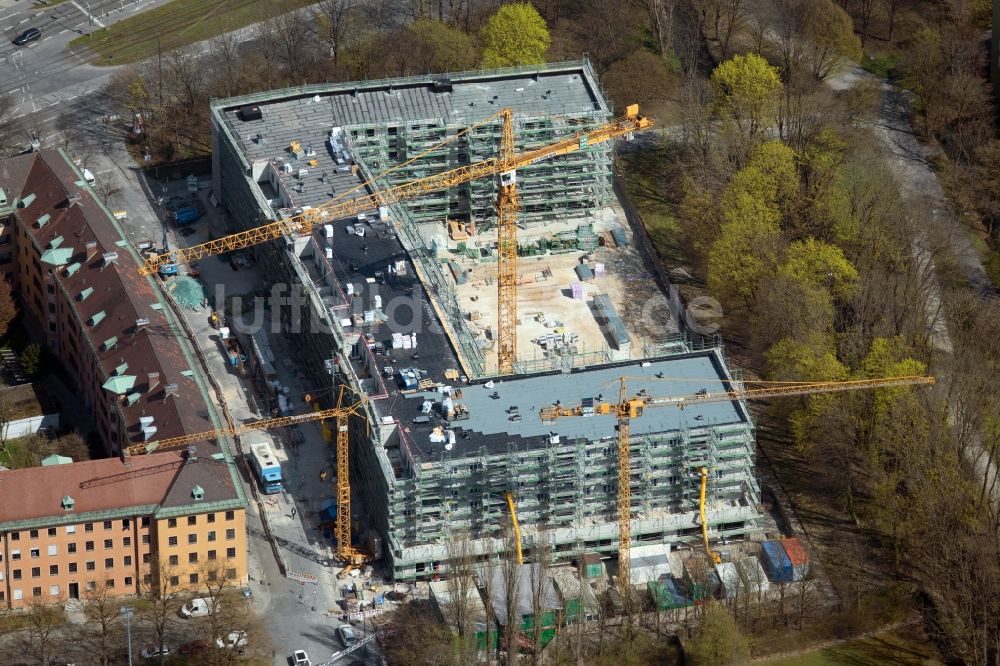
(629, 407)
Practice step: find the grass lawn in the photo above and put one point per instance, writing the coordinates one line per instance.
(903, 647)
(176, 24)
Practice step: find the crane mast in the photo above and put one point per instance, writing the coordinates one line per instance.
(627, 408)
(507, 206)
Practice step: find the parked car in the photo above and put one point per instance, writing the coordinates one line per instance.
(194, 647)
(347, 635)
(29, 35)
(300, 658)
(235, 639)
(156, 651)
(198, 607)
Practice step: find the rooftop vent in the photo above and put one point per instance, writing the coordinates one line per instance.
(26, 201)
(73, 198)
(146, 421)
(43, 220)
(3, 197)
(68, 503)
(250, 112)
(91, 249)
(192, 453)
(198, 493)
(442, 86)
(110, 257)
(154, 380)
(148, 432)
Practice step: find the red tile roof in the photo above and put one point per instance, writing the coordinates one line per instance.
(37, 492)
(119, 292)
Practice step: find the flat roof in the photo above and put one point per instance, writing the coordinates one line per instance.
(560, 89)
(491, 421)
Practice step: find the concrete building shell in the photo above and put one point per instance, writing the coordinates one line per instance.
(416, 496)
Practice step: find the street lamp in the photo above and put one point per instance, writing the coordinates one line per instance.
(127, 611)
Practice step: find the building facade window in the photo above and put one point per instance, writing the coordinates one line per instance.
(192, 520)
(192, 538)
(109, 563)
(230, 534)
(174, 560)
(172, 541)
(53, 569)
(230, 515)
(171, 522)
(230, 553)
(211, 535)
(192, 558)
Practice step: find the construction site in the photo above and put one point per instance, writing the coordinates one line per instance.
(498, 332)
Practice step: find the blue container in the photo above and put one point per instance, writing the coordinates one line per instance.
(776, 562)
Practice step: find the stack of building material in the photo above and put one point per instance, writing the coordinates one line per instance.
(776, 562)
(798, 556)
(586, 239)
(583, 272)
(620, 237)
(577, 289)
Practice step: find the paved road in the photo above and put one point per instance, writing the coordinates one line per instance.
(298, 616)
(41, 75)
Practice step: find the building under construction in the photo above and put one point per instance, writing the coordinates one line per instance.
(395, 304)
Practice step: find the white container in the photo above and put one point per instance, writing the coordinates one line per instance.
(732, 585)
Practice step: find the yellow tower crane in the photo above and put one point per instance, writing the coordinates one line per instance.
(504, 166)
(628, 408)
(342, 412)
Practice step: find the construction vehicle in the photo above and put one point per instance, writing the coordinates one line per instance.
(627, 408)
(342, 412)
(516, 527)
(504, 166)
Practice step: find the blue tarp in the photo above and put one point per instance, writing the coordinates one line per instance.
(776, 562)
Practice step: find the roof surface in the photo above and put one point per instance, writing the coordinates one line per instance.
(110, 298)
(527, 581)
(491, 421)
(560, 89)
(163, 479)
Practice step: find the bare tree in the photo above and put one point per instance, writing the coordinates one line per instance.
(333, 17)
(462, 592)
(161, 594)
(40, 640)
(100, 636)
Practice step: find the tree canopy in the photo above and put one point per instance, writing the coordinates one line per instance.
(718, 641)
(747, 91)
(515, 35)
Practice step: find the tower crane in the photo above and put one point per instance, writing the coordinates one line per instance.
(342, 412)
(627, 408)
(504, 166)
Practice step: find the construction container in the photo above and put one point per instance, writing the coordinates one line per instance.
(699, 582)
(799, 557)
(593, 567)
(666, 595)
(753, 575)
(620, 237)
(776, 562)
(598, 270)
(732, 585)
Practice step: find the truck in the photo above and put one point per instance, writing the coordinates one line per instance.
(266, 468)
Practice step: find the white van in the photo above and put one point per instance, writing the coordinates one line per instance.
(89, 177)
(199, 607)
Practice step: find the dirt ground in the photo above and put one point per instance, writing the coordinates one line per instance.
(544, 296)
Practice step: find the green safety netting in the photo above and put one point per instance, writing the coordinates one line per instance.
(188, 291)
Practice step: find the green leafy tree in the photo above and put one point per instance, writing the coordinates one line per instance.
(820, 265)
(747, 93)
(439, 47)
(828, 36)
(515, 35)
(718, 641)
(8, 306)
(811, 359)
(31, 359)
(753, 205)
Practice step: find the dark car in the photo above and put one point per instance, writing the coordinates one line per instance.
(29, 35)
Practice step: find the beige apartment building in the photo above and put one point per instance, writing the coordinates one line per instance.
(66, 530)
